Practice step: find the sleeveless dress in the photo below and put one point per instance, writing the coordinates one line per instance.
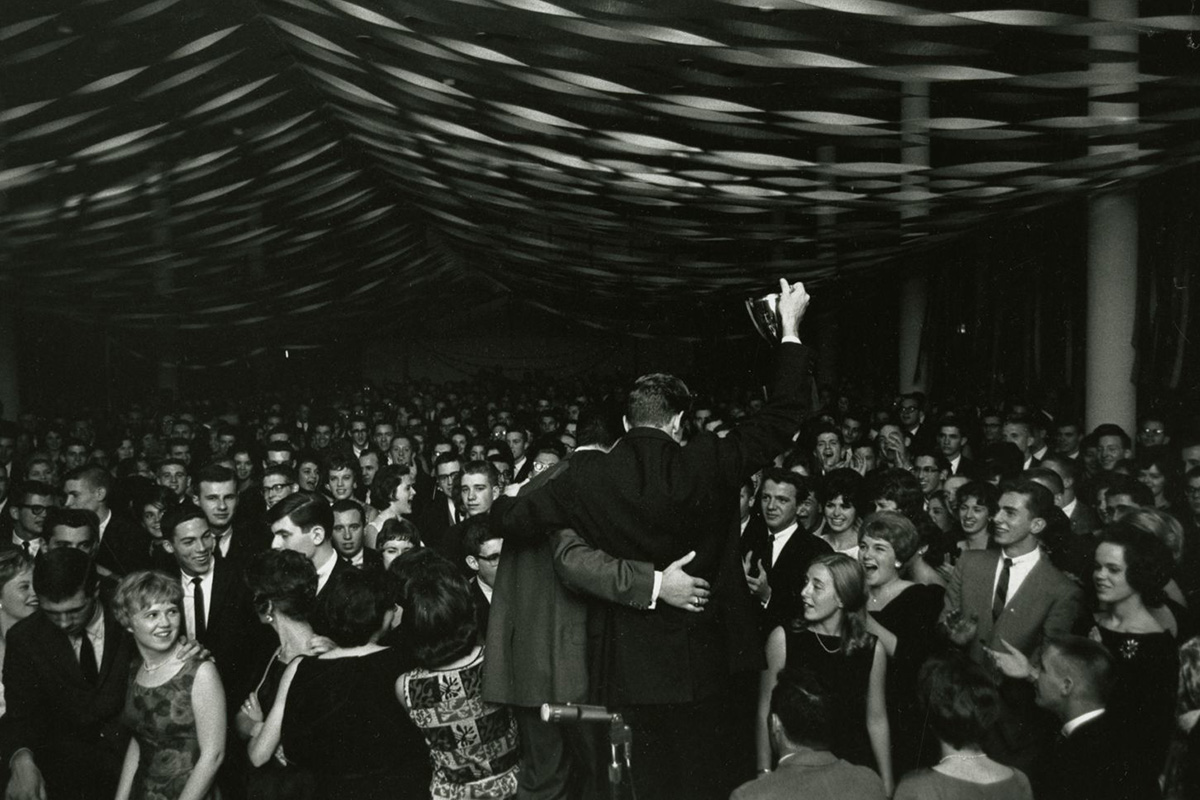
(161, 719)
(473, 744)
(847, 680)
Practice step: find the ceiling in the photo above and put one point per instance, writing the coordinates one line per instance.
(265, 170)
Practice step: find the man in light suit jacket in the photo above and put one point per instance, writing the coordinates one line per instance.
(651, 499)
(799, 728)
(1013, 595)
(537, 635)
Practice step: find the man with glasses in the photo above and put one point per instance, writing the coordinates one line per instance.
(27, 507)
(442, 511)
(278, 482)
(360, 434)
(931, 470)
(482, 544)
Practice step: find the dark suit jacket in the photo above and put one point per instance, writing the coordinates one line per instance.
(434, 521)
(754, 538)
(340, 565)
(966, 469)
(1084, 521)
(1093, 763)
(787, 575)
(483, 609)
(124, 548)
(372, 559)
(239, 643)
(537, 625)
(71, 726)
(651, 500)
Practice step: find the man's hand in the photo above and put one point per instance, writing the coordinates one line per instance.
(187, 649)
(759, 586)
(26, 782)
(1012, 663)
(793, 302)
(681, 590)
(960, 629)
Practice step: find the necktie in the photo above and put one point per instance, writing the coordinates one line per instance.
(1001, 597)
(28, 549)
(198, 598)
(87, 660)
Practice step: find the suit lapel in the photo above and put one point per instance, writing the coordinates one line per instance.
(220, 594)
(113, 633)
(982, 589)
(1028, 593)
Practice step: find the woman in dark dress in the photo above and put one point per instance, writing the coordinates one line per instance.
(1132, 567)
(336, 714)
(831, 641)
(903, 616)
(283, 584)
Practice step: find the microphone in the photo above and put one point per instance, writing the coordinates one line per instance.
(570, 713)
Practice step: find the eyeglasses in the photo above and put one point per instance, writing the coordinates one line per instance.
(1192, 491)
(35, 509)
(492, 559)
(452, 476)
(278, 488)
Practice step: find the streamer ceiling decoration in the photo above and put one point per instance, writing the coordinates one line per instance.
(253, 165)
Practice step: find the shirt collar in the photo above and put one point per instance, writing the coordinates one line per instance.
(785, 533)
(487, 590)
(1073, 724)
(1029, 559)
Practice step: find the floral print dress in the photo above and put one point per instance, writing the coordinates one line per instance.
(161, 719)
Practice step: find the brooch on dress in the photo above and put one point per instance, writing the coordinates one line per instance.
(1129, 649)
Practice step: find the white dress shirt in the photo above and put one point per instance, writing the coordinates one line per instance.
(325, 570)
(95, 632)
(1021, 567)
(189, 599)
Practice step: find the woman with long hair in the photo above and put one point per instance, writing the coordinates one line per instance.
(831, 639)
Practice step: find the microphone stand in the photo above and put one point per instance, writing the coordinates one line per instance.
(620, 741)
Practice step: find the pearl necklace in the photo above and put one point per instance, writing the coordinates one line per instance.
(146, 664)
(963, 756)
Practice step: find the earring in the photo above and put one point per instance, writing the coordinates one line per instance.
(270, 618)
(898, 565)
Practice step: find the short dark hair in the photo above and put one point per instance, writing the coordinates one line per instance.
(214, 473)
(383, 488)
(351, 607)
(485, 468)
(306, 510)
(1124, 484)
(1148, 561)
(23, 490)
(960, 699)
(655, 398)
(340, 461)
(984, 493)
(438, 624)
(61, 574)
(398, 530)
(282, 470)
(176, 515)
(1038, 499)
(283, 579)
(1090, 658)
(348, 504)
(72, 518)
(92, 475)
(597, 425)
(794, 479)
(1111, 429)
(1040, 474)
(476, 531)
(844, 483)
(902, 488)
(802, 705)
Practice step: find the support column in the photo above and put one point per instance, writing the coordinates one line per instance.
(164, 283)
(914, 292)
(1112, 237)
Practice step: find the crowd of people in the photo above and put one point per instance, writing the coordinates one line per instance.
(374, 597)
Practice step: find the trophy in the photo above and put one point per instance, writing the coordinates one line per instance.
(764, 312)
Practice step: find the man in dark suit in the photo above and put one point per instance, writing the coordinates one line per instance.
(1013, 595)
(1084, 521)
(348, 527)
(650, 499)
(66, 674)
(304, 522)
(1090, 760)
(28, 506)
(482, 545)
(537, 647)
(776, 571)
(951, 439)
(441, 512)
(124, 546)
(217, 496)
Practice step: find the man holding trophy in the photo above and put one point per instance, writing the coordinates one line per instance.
(668, 671)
